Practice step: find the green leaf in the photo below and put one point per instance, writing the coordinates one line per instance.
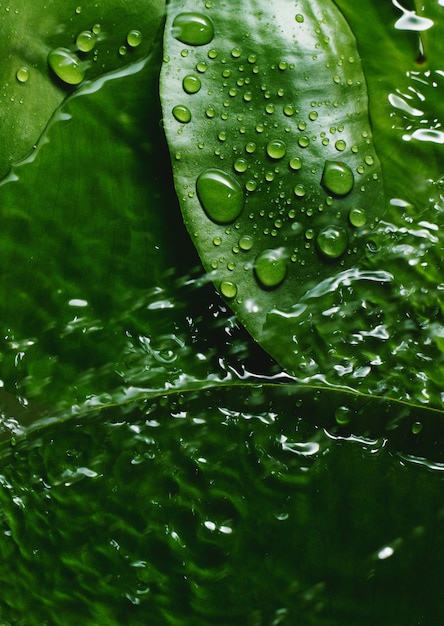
(32, 30)
(336, 294)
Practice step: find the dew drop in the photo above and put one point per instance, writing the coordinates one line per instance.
(303, 142)
(134, 38)
(221, 195)
(217, 241)
(270, 268)
(332, 242)
(299, 18)
(182, 114)
(357, 217)
(22, 74)
(85, 41)
(228, 289)
(246, 243)
(66, 66)
(96, 29)
(123, 50)
(201, 67)
(313, 115)
(337, 178)
(289, 110)
(276, 149)
(193, 28)
(240, 165)
(250, 147)
(191, 84)
(251, 185)
(369, 160)
(236, 52)
(340, 145)
(295, 163)
(299, 191)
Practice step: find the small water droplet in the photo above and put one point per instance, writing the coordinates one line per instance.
(123, 50)
(250, 147)
(313, 115)
(276, 149)
(96, 29)
(299, 18)
(134, 38)
(85, 41)
(342, 415)
(246, 243)
(66, 66)
(182, 113)
(269, 108)
(295, 163)
(332, 242)
(236, 52)
(270, 268)
(303, 142)
(240, 165)
(210, 113)
(416, 428)
(369, 160)
(337, 178)
(201, 67)
(340, 145)
(191, 84)
(221, 195)
(289, 110)
(22, 74)
(228, 289)
(193, 28)
(251, 185)
(357, 217)
(217, 241)
(299, 191)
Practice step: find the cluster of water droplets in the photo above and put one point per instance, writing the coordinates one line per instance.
(283, 135)
(71, 63)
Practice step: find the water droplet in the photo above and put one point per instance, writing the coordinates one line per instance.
(191, 83)
(299, 18)
(212, 54)
(357, 217)
(340, 145)
(342, 415)
(369, 160)
(299, 191)
(85, 41)
(240, 165)
(270, 268)
(236, 52)
(289, 110)
(66, 66)
(303, 142)
(269, 108)
(201, 67)
(337, 178)
(210, 113)
(313, 115)
(251, 185)
(22, 74)
(250, 147)
(295, 163)
(193, 28)
(246, 243)
(123, 50)
(276, 149)
(416, 428)
(221, 195)
(217, 241)
(182, 114)
(228, 289)
(332, 242)
(134, 38)
(96, 29)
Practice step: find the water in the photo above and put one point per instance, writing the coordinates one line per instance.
(172, 474)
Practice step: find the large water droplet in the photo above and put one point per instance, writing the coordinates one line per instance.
(221, 195)
(22, 74)
(276, 149)
(193, 28)
(66, 66)
(337, 178)
(270, 268)
(332, 242)
(191, 83)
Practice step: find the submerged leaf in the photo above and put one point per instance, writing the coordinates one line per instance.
(274, 165)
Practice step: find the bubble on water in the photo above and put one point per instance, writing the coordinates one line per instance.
(182, 113)
(66, 66)
(228, 289)
(276, 149)
(193, 28)
(85, 41)
(332, 242)
(191, 84)
(337, 178)
(221, 195)
(270, 268)
(134, 38)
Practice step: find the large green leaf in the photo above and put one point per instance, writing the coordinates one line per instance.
(332, 292)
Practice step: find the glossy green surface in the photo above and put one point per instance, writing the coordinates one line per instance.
(156, 465)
